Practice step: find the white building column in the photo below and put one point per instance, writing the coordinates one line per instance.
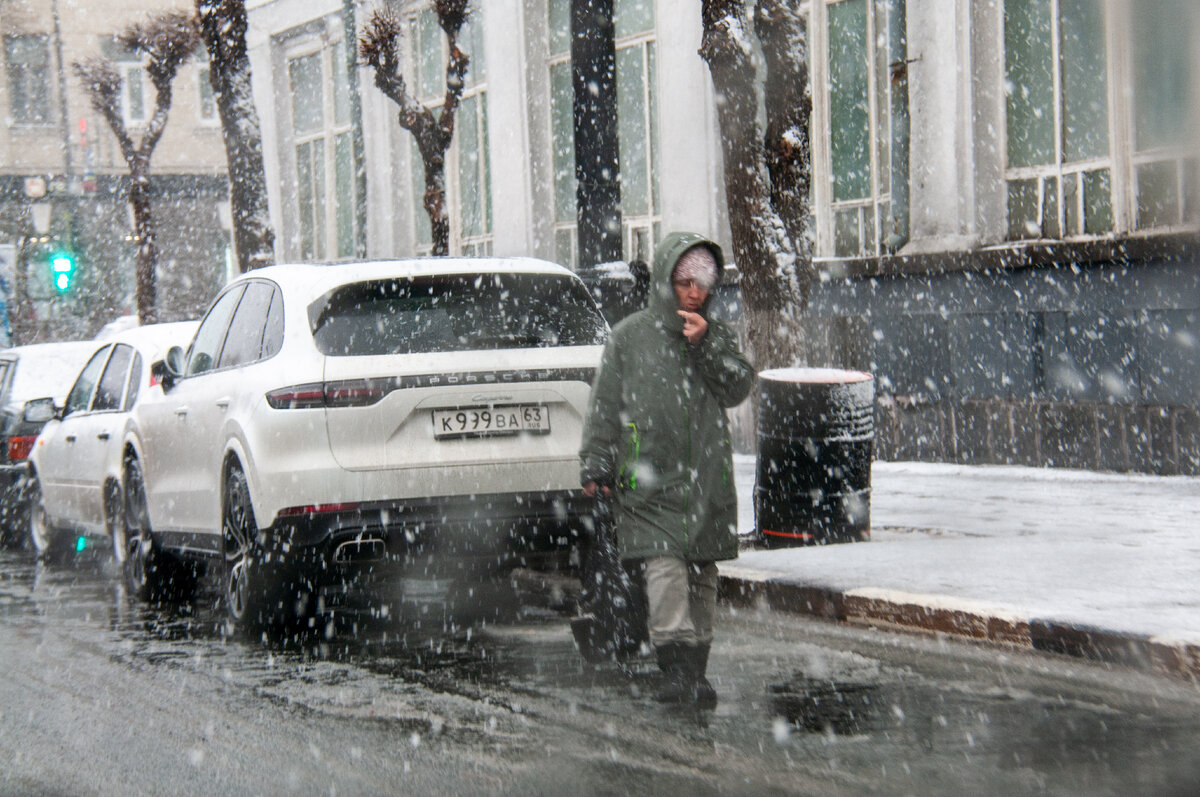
(690, 173)
(942, 108)
(512, 143)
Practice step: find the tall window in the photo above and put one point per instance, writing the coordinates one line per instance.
(1073, 168)
(867, 103)
(205, 101)
(28, 61)
(637, 127)
(468, 168)
(1059, 162)
(135, 96)
(320, 90)
(1166, 192)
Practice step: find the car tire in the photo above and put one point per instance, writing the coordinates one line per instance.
(150, 574)
(48, 541)
(114, 524)
(252, 588)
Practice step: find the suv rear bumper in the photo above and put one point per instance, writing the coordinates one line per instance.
(455, 535)
(506, 527)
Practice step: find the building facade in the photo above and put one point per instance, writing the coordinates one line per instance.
(64, 183)
(1005, 193)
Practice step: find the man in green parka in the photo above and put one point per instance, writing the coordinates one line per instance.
(657, 437)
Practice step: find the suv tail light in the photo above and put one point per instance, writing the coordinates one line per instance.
(297, 397)
(347, 393)
(19, 447)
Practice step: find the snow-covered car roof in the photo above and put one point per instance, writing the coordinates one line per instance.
(154, 339)
(46, 369)
(312, 280)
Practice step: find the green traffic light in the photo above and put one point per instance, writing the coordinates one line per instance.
(62, 267)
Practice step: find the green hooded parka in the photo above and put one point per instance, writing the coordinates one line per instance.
(656, 429)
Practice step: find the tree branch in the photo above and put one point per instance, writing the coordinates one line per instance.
(456, 79)
(102, 82)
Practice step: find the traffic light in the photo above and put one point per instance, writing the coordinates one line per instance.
(62, 271)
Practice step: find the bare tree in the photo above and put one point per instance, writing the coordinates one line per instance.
(167, 40)
(379, 47)
(767, 173)
(223, 26)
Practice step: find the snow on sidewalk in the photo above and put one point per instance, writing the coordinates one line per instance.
(1115, 552)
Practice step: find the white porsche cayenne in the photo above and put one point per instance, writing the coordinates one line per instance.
(332, 429)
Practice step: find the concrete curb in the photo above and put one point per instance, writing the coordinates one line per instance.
(929, 614)
(935, 614)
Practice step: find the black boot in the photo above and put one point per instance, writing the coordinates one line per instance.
(705, 695)
(674, 659)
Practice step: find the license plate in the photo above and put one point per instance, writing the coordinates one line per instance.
(491, 421)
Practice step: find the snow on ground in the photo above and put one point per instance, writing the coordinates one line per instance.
(1111, 551)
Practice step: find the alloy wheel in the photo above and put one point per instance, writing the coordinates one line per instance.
(133, 543)
(238, 532)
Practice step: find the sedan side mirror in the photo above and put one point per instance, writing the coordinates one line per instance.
(40, 410)
(170, 370)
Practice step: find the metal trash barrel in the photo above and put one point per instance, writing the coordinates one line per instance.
(816, 429)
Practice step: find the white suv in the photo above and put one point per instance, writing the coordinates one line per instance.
(332, 429)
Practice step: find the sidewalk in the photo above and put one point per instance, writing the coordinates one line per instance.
(1093, 564)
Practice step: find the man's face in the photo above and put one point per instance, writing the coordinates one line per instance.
(691, 294)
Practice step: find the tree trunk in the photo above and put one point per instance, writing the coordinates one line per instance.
(378, 47)
(433, 148)
(21, 314)
(783, 32)
(223, 23)
(435, 206)
(147, 259)
(763, 251)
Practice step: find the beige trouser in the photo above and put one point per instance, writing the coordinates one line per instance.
(681, 598)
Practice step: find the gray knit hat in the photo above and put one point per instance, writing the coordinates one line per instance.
(698, 265)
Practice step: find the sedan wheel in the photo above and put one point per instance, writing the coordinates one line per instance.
(47, 540)
(148, 571)
(114, 521)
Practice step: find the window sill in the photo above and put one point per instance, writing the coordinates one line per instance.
(1125, 249)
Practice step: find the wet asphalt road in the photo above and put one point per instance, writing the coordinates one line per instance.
(99, 695)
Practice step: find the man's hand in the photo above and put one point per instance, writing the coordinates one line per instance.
(694, 326)
(591, 488)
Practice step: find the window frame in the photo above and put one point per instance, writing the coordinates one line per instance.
(880, 209)
(127, 68)
(119, 404)
(430, 91)
(1125, 163)
(205, 97)
(320, 235)
(188, 373)
(639, 233)
(98, 360)
(26, 75)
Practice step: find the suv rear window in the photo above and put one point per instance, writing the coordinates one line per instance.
(455, 313)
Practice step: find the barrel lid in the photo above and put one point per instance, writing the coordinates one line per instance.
(826, 376)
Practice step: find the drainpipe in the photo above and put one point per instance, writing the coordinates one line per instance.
(593, 73)
(64, 118)
(357, 148)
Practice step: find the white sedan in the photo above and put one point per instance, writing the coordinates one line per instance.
(333, 429)
(75, 464)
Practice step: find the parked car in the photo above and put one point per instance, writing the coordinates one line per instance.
(335, 430)
(27, 372)
(75, 466)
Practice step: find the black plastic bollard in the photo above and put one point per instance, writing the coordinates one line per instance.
(816, 429)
